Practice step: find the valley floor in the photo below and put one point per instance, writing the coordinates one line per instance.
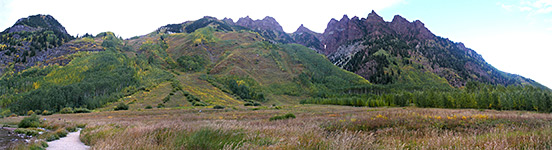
(315, 127)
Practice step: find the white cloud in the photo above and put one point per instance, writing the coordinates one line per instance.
(536, 7)
(526, 9)
(507, 7)
(136, 17)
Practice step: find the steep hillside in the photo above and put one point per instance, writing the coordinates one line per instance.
(245, 64)
(35, 39)
(86, 79)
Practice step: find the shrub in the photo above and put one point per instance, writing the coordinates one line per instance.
(5, 113)
(160, 105)
(82, 110)
(218, 107)
(121, 106)
(61, 132)
(149, 107)
(28, 122)
(256, 104)
(72, 128)
(46, 113)
(248, 104)
(28, 132)
(167, 99)
(50, 136)
(81, 125)
(66, 110)
(281, 117)
(30, 112)
(198, 104)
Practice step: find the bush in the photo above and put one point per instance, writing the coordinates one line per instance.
(81, 125)
(28, 132)
(66, 110)
(167, 99)
(149, 107)
(30, 112)
(218, 107)
(50, 137)
(121, 106)
(5, 113)
(160, 105)
(61, 132)
(72, 128)
(286, 116)
(248, 104)
(256, 104)
(46, 113)
(198, 104)
(28, 122)
(82, 110)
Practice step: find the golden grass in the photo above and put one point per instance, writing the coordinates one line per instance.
(316, 127)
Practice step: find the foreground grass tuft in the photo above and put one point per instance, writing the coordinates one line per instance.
(282, 117)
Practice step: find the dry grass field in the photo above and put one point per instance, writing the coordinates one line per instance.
(315, 127)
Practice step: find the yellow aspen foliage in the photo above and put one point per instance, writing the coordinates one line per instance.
(240, 82)
(36, 85)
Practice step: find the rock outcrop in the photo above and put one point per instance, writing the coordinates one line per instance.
(268, 23)
(308, 38)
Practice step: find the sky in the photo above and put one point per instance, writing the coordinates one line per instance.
(514, 36)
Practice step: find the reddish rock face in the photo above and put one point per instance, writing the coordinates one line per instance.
(268, 23)
(345, 30)
(308, 38)
(339, 32)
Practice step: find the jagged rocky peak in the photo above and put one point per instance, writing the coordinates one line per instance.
(268, 23)
(397, 19)
(37, 22)
(228, 21)
(412, 29)
(374, 17)
(345, 18)
(308, 38)
(302, 29)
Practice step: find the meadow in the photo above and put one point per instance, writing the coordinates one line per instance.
(312, 127)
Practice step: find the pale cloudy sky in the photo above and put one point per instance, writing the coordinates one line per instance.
(512, 35)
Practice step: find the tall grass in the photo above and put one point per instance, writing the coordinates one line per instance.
(316, 127)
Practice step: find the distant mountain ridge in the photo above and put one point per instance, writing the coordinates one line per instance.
(351, 44)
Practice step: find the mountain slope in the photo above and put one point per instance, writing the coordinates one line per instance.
(383, 51)
(206, 62)
(33, 40)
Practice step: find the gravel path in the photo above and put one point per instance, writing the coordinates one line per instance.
(70, 142)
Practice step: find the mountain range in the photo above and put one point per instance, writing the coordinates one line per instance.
(211, 62)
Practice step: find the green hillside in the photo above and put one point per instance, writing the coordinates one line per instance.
(210, 66)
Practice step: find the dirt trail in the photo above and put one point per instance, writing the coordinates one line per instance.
(70, 142)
